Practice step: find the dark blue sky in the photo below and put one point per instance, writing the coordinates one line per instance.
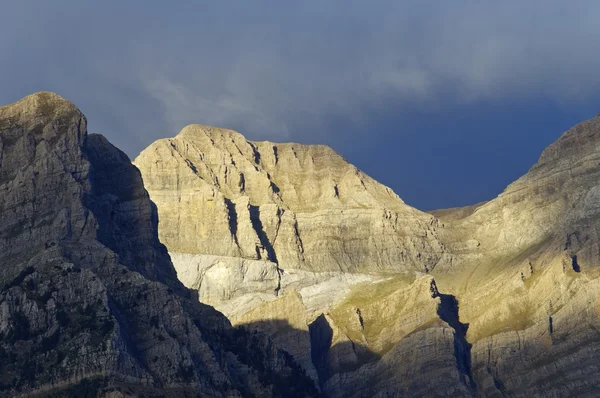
(445, 102)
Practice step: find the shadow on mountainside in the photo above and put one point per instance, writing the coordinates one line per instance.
(408, 368)
(96, 306)
(448, 312)
(313, 349)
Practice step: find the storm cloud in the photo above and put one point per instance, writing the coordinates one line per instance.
(446, 102)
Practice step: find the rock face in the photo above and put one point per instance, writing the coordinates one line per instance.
(89, 299)
(298, 205)
(529, 286)
(496, 299)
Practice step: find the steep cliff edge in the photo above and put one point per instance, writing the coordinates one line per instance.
(89, 300)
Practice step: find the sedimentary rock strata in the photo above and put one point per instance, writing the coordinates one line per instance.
(497, 299)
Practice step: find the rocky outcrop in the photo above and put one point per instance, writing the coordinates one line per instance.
(295, 235)
(89, 300)
(298, 205)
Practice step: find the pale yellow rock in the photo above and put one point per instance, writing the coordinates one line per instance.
(517, 309)
(301, 206)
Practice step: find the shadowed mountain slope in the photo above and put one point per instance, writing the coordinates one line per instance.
(89, 299)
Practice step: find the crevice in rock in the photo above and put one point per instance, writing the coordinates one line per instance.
(232, 213)
(191, 166)
(255, 153)
(360, 319)
(575, 264)
(298, 238)
(226, 175)
(448, 311)
(498, 385)
(242, 184)
(275, 154)
(278, 215)
(321, 337)
(433, 289)
(274, 187)
(260, 232)
(279, 274)
(239, 150)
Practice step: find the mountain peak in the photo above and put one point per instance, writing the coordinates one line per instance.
(37, 110)
(197, 130)
(41, 103)
(584, 138)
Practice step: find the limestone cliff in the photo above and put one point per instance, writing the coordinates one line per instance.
(89, 300)
(303, 206)
(497, 299)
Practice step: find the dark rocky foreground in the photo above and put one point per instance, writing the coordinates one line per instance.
(90, 304)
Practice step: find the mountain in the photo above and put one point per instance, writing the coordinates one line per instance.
(90, 303)
(375, 298)
(261, 200)
(247, 223)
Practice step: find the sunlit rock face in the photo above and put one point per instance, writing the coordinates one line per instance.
(90, 304)
(298, 205)
(497, 299)
(529, 287)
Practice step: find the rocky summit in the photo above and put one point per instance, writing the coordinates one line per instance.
(90, 303)
(374, 298)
